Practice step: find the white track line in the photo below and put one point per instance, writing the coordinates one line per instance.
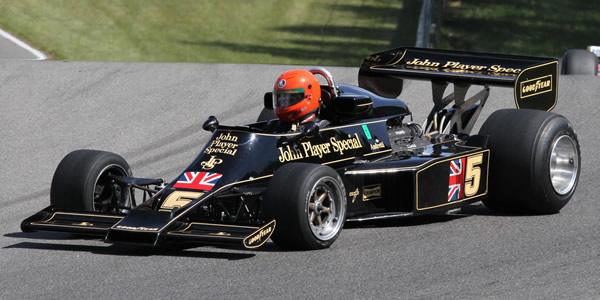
(38, 54)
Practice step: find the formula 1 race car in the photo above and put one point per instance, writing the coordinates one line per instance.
(256, 182)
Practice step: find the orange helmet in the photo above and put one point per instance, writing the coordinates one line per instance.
(296, 95)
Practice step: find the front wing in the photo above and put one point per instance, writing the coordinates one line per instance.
(103, 224)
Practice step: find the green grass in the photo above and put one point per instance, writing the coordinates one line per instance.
(525, 27)
(313, 32)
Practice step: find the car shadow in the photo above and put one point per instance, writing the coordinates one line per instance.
(50, 235)
(173, 250)
(199, 250)
(406, 221)
(476, 209)
(479, 209)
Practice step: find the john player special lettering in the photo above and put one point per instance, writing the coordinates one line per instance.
(308, 149)
(460, 66)
(225, 143)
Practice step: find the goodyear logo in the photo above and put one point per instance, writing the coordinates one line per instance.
(536, 86)
(261, 236)
(137, 228)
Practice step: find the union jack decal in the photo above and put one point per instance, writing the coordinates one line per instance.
(198, 180)
(457, 179)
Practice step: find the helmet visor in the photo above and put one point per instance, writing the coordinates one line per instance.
(287, 98)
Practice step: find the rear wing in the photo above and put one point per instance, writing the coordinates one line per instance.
(534, 79)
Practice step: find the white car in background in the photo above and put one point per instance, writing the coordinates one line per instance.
(596, 51)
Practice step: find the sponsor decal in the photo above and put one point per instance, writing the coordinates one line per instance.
(198, 180)
(371, 192)
(210, 163)
(289, 154)
(378, 145)
(536, 86)
(225, 143)
(457, 179)
(281, 83)
(308, 149)
(137, 228)
(367, 131)
(354, 194)
(260, 236)
(376, 58)
(459, 66)
(425, 63)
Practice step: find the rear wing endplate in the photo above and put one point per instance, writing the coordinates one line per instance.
(534, 79)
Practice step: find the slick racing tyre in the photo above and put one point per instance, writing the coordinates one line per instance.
(308, 202)
(84, 181)
(535, 161)
(579, 62)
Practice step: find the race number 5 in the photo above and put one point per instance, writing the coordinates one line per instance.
(178, 199)
(473, 174)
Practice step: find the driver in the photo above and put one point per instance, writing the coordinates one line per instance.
(297, 97)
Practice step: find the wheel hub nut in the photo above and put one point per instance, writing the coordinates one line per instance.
(318, 207)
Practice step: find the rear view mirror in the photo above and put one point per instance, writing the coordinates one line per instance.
(210, 124)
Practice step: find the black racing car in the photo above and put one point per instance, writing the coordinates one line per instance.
(254, 182)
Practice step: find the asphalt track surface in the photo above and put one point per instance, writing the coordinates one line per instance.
(152, 115)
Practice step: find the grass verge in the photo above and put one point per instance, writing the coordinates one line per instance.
(312, 32)
(524, 27)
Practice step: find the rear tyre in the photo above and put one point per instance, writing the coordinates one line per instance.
(535, 161)
(579, 62)
(83, 181)
(308, 202)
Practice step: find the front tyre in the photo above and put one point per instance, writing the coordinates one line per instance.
(84, 181)
(309, 203)
(535, 161)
